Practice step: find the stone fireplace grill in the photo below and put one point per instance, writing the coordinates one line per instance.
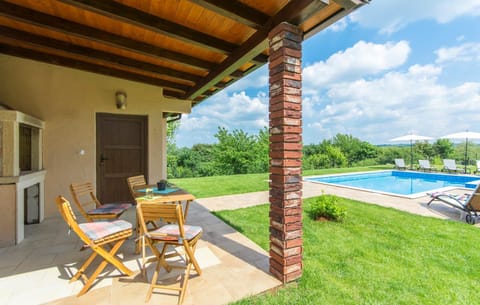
(21, 174)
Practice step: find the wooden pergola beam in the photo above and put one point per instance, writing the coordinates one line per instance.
(309, 10)
(236, 11)
(256, 44)
(57, 24)
(260, 59)
(94, 54)
(130, 15)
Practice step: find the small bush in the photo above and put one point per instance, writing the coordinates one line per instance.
(326, 206)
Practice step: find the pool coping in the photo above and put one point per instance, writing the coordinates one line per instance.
(410, 196)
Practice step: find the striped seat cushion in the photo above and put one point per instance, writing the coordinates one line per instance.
(110, 208)
(123, 205)
(102, 229)
(170, 232)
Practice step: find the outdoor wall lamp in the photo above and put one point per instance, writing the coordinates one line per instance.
(121, 100)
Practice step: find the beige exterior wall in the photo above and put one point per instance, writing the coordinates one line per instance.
(67, 100)
(8, 222)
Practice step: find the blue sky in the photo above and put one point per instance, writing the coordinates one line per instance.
(390, 68)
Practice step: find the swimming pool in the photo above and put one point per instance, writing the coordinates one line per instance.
(406, 183)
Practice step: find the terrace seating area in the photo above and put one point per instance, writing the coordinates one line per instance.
(38, 270)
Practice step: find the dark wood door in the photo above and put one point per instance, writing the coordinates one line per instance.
(121, 152)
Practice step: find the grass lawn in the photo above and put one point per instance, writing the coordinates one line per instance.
(203, 187)
(376, 256)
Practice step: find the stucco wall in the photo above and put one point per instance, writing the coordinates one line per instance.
(67, 100)
(7, 224)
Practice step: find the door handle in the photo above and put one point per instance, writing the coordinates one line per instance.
(103, 158)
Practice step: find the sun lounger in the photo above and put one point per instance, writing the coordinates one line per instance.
(425, 165)
(450, 166)
(400, 164)
(467, 203)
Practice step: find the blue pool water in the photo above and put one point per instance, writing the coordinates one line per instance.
(399, 182)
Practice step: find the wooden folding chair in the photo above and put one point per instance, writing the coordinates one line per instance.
(90, 207)
(96, 235)
(175, 233)
(135, 183)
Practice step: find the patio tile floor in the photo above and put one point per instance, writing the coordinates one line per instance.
(37, 270)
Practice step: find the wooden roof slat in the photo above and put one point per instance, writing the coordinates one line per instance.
(42, 41)
(331, 14)
(310, 10)
(71, 28)
(236, 11)
(171, 93)
(153, 23)
(348, 4)
(92, 53)
(260, 59)
(89, 67)
(237, 74)
(190, 48)
(251, 48)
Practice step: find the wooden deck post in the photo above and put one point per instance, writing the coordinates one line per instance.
(285, 110)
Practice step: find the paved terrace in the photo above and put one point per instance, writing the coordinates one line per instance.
(37, 271)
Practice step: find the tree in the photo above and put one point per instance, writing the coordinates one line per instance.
(233, 153)
(315, 149)
(387, 154)
(423, 150)
(172, 128)
(326, 156)
(202, 160)
(336, 157)
(354, 149)
(172, 148)
(443, 148)
(260, 152)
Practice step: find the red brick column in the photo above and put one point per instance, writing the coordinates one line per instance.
(285, 152)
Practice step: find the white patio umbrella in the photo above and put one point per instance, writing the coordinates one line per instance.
(464, 135)
(410, 138)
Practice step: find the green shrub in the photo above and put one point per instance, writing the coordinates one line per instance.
(326, 206)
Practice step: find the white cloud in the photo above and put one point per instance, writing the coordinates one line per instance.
(379, 109)
(236, 111)
(339, 25)
(364, 58)
(389, 16)
(256, 80)
(371, 90)
(466, 52)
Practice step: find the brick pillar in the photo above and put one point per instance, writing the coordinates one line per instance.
(285, 152)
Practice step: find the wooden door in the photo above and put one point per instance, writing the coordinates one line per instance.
(121, 152)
